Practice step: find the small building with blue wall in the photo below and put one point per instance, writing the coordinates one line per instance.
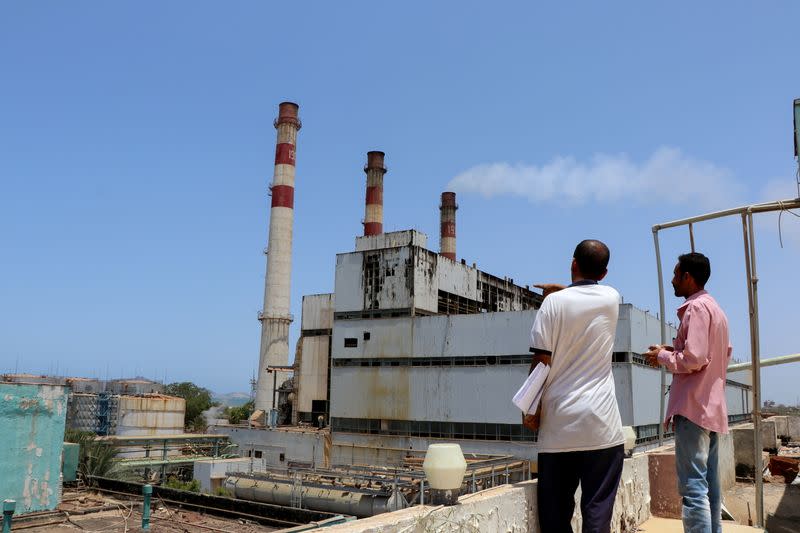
(32, 419)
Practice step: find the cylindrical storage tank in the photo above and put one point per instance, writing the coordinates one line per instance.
(332, 500)
(447, 213)
(275, 317)
(373, 211)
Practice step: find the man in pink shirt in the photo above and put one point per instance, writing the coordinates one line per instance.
(698, 363)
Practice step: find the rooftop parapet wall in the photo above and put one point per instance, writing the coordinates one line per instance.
(32, 418)
(510, 508)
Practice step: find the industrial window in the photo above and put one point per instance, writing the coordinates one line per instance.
(350, 342)
(480, 360)
(435, 429)
(622, 357)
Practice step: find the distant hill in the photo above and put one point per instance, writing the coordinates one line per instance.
(233, 399)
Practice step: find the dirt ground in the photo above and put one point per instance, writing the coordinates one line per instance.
(781, 505)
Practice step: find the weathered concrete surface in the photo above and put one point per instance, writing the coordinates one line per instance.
(32, 418)
(781, 425)
(664, 525)
(794, 427)
(727, 464)
(510, 508)
(769, 435)
(664, 498)
(632, 505)
(665, 501)
(743, 442)
(212, 472)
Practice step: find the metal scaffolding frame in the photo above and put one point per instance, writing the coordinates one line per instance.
(748, 235)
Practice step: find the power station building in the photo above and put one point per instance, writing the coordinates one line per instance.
(414, 346)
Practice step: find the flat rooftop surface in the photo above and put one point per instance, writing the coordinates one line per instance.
(666, 525)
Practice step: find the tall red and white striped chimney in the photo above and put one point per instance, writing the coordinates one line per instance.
(447, 213)
(373, 214)
(275, 317)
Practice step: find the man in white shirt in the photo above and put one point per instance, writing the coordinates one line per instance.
(580, 435)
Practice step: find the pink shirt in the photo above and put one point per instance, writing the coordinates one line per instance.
(699, 364)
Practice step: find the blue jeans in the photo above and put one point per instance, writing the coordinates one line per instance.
(697, 463)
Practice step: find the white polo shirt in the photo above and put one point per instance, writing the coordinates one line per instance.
(579, 407)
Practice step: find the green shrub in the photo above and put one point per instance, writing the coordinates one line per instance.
(177, 484)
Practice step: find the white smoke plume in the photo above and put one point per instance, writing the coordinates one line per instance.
(668, 176)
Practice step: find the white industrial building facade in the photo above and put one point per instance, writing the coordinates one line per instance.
(414, 346)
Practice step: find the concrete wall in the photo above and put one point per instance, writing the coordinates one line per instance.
(436, 336)
(312, 374)
(463, 394)
(665, 500)
(391, 239)
(278, 447)
(509, 508)
(638, 329)
(467, 394)
(32, 418)
(317, 312)
(211, 472)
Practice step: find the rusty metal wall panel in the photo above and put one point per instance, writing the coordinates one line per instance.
(312, 375)
(142, 415)
(317, 312)
(463, 394)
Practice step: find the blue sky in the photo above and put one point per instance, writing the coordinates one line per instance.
(136, 146)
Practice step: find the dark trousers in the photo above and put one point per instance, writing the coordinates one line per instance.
(597, 471)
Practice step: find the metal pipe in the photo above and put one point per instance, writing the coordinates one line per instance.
(338, 500)
(756, 420)
(147, 492)
(8, 513)
(756, 343)
(663, 371)
(778, 205)
(773, 361)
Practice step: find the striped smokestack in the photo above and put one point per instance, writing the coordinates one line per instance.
(447, 211)
(275, 317)
(373, 215)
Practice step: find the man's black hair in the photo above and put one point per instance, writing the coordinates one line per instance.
(592, 257)
(696, 265)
